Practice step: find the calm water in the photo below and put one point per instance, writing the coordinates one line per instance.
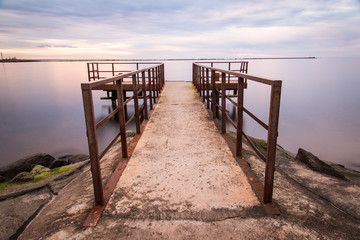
(41, 107)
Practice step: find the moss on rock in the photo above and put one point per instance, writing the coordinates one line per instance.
(22, 177)
(39, 169)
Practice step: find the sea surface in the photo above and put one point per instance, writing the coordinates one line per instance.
(41, 106)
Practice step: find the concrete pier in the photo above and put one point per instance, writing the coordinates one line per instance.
(182, 182)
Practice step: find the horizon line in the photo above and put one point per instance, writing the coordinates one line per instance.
(150, 59)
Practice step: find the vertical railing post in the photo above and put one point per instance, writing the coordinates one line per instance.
(113, 70)
(153, 84)
(213, 93)
(93, 71)
(271, 140)
(156, 82)
(200, 81)
(197, 78)
(207, 89)
(203, 83)
(150, 90)
(193, 74)
(97, 70)
(136, 103)
(223, 102)
(229, 70)
(88, 68)
(144, 95)
(163, 75)
(121, 114)
(93, 144)
(239, 124)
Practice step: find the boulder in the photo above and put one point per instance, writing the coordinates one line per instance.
(26, 164)
(58, 163)
(39, 169)
(74, 158)
(23, 177)
(316, 164)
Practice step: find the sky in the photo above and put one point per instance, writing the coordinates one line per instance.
(132, 29)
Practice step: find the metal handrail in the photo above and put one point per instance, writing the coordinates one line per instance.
(201, 80)
(155, 82)
(94, 70)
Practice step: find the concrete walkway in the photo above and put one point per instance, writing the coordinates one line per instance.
(181, 168)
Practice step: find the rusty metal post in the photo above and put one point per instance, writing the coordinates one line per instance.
(197, 78)
(229, 70)
(144, 95)
(136, 103)
(207, 89)
(271, 140)
(153, 84)
(223, 102)
(150, 89)
(201, 77)
(239, 124)
(121, 114)
(88, 68)
(159, 79)
(163, 75)
(93, 144)
(93, 70)
(193, 76)
(213, 93)
(157, 82)
(203, 84)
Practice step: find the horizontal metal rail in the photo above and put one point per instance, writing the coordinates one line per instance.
(94, 68)
(152, 80)
(204, 80)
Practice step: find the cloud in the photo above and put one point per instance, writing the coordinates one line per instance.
(55, 46)
(182, 28)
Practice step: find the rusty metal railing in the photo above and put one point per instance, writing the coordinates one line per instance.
(145, 80)
(204, 79)
(98, 70)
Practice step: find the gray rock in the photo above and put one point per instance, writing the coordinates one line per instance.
(316, 164)
(39, 169)
(74, 158)
(23, 177)
(58, 163)
(26, 164)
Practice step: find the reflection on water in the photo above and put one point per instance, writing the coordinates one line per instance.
(41, 107)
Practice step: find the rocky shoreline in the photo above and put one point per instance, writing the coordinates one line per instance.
(22, 197)
(28, 184)
(311, 161)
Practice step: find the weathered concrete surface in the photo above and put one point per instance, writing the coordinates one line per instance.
(182, 168)
(186, 196)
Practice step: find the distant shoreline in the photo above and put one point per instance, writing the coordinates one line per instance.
(155, 59)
